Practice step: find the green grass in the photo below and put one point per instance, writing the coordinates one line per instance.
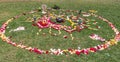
(108, 9)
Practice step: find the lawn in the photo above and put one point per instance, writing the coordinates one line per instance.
(108, 9)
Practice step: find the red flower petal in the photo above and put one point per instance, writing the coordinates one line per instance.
(78, 52)
(93, 49)
(37, 51)
(47, 52)
(85, 51)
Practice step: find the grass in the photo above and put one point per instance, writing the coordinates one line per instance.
(108, 9)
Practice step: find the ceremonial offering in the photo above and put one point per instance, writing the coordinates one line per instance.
(58, 19)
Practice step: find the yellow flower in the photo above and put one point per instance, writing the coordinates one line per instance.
(9, 20)
(3, 37)
(113, 42)
(72, 23)
(65, 50)
(93, 11)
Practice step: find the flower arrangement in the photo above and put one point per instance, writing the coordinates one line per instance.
(46, 22)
